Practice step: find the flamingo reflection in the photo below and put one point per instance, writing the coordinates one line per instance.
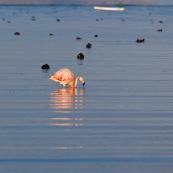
(66, 100)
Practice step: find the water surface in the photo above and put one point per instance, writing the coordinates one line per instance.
(122, 121)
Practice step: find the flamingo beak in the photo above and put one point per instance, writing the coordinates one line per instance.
(83, 83)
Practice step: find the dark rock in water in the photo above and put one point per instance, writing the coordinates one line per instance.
(33, 18)
(140, 40)
(99, 19)
(160, 30)
(95, 35)
(78, 38)
(58, 20)
(80, 56)
(45, 66)
(89, 45)
(50, 34)
(160, 21)
(17, 33)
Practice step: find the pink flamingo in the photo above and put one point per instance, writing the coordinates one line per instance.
(66, 77)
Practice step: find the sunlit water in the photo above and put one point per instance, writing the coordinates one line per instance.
(122, 121)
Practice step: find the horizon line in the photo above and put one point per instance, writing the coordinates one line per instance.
(52, 4)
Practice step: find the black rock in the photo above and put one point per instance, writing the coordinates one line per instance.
(45, 66)
(160, 30)
(95, 35)
(80, 56)
(89, 45)
(33, 18)
(140, 40)
(17, 33)
(78, 38)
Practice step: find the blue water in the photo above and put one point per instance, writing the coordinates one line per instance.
(122, 121)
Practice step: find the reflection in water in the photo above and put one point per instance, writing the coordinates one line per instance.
(67, 148)
(67, 100)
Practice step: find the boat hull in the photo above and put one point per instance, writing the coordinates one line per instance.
(109, 8)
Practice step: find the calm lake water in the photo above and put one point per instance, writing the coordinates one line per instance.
(122, 121)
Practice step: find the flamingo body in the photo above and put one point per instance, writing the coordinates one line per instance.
(66, 77)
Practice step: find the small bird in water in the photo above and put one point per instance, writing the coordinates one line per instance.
(65, 77)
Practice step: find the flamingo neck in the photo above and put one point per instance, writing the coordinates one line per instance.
(76, 82)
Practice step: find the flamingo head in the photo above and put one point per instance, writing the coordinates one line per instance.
(81, 79)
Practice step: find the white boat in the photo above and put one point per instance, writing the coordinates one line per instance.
(119, 7)
(109, 8)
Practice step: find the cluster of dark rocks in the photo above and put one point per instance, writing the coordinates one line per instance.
(80, 56)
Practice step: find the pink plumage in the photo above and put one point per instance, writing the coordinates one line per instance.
(66, 77)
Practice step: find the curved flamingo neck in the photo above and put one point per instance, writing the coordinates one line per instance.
(76, 82)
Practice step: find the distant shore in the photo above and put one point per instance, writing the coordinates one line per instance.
(82, 5)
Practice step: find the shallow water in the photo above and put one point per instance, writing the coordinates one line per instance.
(122, 121)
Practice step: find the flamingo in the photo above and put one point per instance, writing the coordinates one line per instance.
(65, 77)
